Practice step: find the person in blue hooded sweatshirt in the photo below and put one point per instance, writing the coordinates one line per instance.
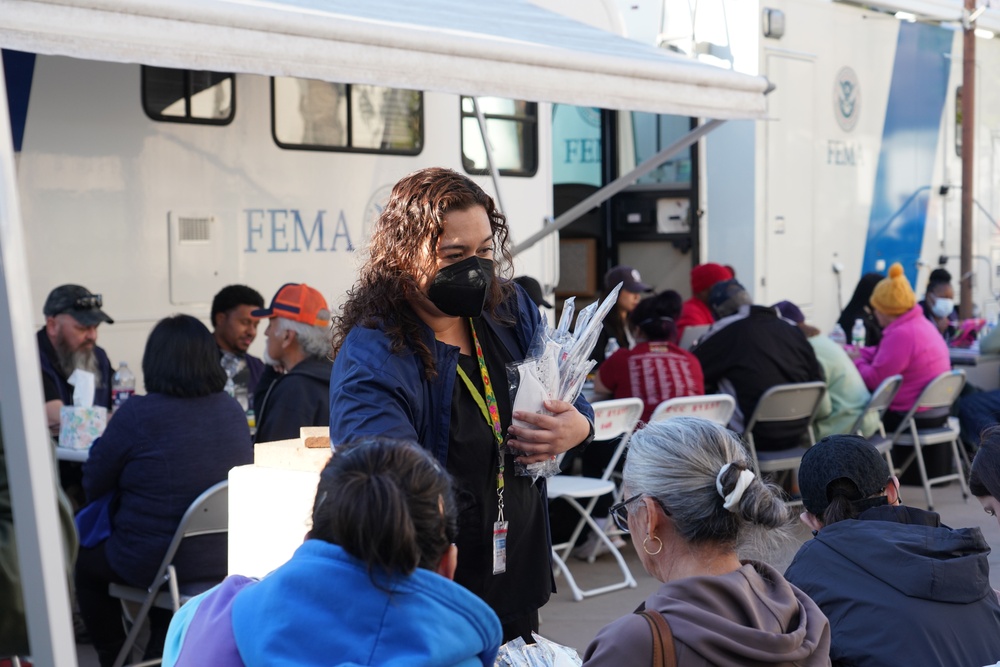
(898, 587)
(371, 585)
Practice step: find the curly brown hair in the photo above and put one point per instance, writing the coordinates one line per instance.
(403, 246)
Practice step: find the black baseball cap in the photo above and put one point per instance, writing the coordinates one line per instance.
(629, 277)
(727, 296)
(533, 289)
(836, 457)
(78, 301)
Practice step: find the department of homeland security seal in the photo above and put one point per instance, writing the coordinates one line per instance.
(373, 209)
(846, 99)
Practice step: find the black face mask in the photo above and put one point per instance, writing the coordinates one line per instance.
(460, 290)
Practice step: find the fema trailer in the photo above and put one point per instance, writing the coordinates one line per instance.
(858, 163)
(156, 151)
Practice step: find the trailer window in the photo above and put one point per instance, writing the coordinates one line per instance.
(512, 126)
(187, 96)
(318, 115)
(577, 155)
(643, 135)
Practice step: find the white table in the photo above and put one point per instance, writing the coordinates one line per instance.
(981, 370)
(67, 454)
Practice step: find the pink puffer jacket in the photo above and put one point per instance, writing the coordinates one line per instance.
(912, 347)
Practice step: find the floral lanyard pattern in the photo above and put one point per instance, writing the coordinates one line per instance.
(489, 409)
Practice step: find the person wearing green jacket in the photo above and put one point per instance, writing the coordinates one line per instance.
(846, 394)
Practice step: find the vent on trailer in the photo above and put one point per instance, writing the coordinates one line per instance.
(203, 259)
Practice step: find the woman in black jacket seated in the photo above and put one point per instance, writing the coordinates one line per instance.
(158, 454)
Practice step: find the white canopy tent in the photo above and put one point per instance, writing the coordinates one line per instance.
(505, 48)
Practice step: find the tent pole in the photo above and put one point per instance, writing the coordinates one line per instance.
(28, 450)
(490, 162)
(619, 184)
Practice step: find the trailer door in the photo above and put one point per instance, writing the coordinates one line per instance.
(789, 182)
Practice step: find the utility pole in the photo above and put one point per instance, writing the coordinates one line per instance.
(968, 151)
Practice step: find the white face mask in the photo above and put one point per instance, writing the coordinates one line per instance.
(942, 307)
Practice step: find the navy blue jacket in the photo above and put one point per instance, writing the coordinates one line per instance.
(159, 453)
(284, 403)
(376, 392)
(901, 589)
(53, 380)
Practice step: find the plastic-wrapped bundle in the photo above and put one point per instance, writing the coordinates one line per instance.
(543, 653)
(557, 365)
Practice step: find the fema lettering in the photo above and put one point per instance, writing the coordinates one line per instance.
(844, 153)
(582, 151)
(285, 230)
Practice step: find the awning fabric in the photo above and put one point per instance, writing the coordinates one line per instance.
(506, 48)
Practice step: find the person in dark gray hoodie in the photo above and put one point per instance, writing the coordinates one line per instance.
(898, 587)
(692, 500)
(294, 389)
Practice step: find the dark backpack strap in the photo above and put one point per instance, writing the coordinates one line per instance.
(663, 639)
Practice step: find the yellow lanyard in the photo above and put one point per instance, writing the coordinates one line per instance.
(488, 408)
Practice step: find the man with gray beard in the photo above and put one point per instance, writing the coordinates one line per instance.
(68, 341)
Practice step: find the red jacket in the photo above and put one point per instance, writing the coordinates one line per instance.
(695, 313)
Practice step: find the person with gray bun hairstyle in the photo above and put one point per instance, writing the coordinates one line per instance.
(692, 501)
(898, 587)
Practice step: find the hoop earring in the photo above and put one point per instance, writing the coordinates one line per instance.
(658, 540)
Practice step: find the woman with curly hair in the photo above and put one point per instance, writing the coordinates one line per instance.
(421, 348)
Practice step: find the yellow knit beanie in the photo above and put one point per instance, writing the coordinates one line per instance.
(893, 295)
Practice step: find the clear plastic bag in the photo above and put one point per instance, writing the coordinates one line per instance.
(543, 653)
(556, 368)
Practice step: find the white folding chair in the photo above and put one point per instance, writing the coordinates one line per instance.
(612, 419)
(207, 515)
(879, 402)
(716, 408)
(940, 393)
(796, 402)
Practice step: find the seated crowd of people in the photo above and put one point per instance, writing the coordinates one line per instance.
(161, 450)
(427, 547)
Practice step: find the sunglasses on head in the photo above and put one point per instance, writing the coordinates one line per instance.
(88, 302)
(619, 512)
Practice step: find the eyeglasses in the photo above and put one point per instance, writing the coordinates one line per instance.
(619, 512)
(89, 302)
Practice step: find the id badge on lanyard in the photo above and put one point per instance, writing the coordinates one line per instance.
(500, 547)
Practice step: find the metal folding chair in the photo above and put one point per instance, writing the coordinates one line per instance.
(879, 402)
(717, 408)
(612, 419)
(207, 515)
(940, 393)
(789, 403)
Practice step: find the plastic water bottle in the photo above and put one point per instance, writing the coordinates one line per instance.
(611, 347)
(122, 386)
(838, 335)
(858, 333)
